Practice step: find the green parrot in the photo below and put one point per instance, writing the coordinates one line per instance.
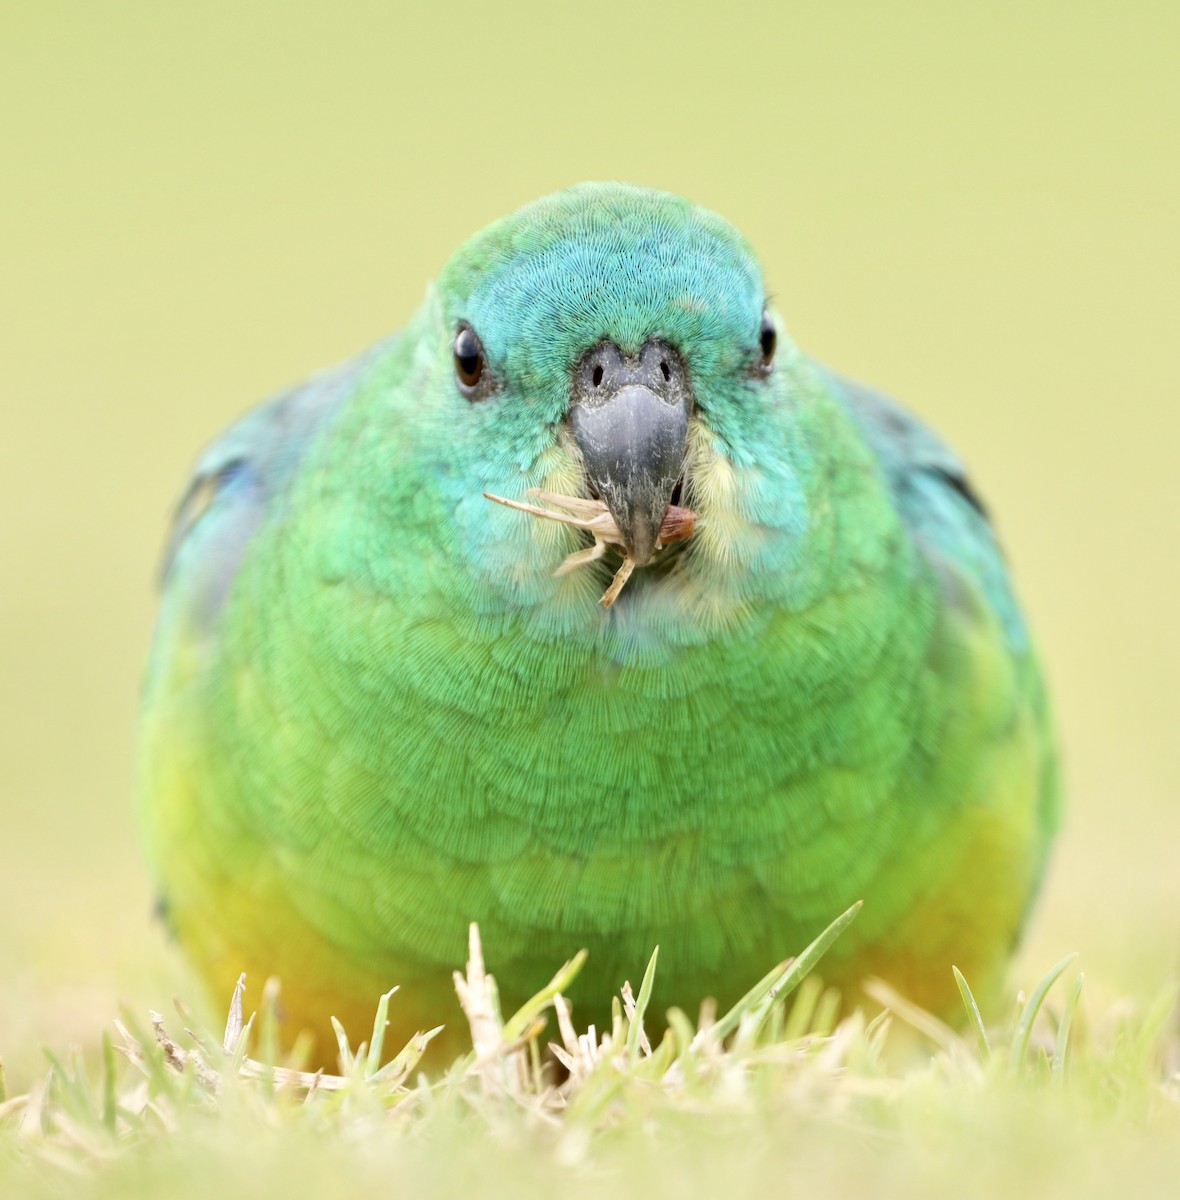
(379, 707)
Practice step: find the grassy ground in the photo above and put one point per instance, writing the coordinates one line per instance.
(775, 1094)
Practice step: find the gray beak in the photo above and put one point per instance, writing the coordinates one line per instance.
(630, 420)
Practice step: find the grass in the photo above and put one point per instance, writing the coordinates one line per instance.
(778, 1095)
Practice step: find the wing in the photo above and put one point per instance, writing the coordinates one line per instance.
(238, 480)
(936, 499)
(950, 525)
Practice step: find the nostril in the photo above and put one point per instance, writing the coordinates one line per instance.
(665, 370)
(596, 378)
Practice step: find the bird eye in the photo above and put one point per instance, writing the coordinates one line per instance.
(768, 340)
(468, 350)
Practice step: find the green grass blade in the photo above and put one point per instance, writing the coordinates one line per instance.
(1024, 1026)
(1061, 1045)
(242, 1049)
(377, 1042)
(110, 1102)
(798, 1023)
(973, 1013)
(518, 1024)
(1144, 1048)
(827, 1013)
(635, 1031)
(399, 1067)
(783, 980)
(681, 1028)
(344, 1050)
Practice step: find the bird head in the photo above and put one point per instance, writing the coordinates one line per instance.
(614, 343)
(607, 318)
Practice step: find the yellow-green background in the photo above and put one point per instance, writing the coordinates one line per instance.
(975, 206)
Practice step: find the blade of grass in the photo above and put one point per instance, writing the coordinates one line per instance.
(233, 1022)
(519, 1022)
(110, 1108)
(916, 1017)
(1061, 1044)
(973, 1014)
(635, 1031)
(343, 1050)
(783, 980)
(377, 1041)
(1028, 1016)
(799, 1019)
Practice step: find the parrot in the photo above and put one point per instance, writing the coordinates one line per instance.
(379, 707)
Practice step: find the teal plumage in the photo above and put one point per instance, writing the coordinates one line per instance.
(373, 713)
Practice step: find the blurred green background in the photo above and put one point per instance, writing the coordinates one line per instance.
(976, 207)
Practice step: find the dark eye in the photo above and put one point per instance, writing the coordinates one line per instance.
(768, 340)
(468, 351)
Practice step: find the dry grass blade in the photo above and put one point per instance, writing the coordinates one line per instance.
(595, 518)
(479, 999)
(916, 1017)
(618, 582)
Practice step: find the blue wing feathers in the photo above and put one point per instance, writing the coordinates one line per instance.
(937, 501)
(237, 479)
